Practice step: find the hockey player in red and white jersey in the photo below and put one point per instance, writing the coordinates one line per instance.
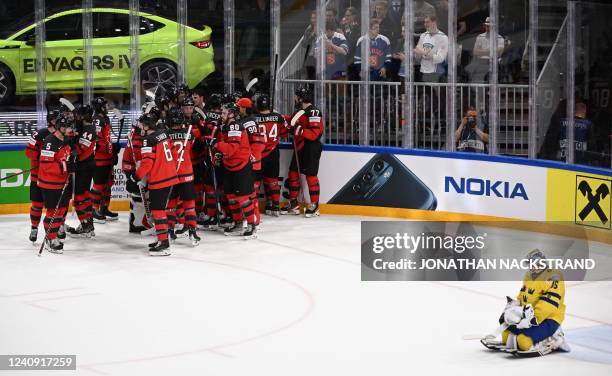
(132, 157)
(210, 131)
(273, 126)
(235, 152)
(32, 152)
(57, 162)
(106, 157)
(182, 138)
(257, 144)
(307, 134)
(85, 143)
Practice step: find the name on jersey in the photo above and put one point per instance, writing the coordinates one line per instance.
(76, 63)
(266, 119)
(180, 136)
(484, 187)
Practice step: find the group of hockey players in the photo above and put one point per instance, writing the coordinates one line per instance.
(192, 160)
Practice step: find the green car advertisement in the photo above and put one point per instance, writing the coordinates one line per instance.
(65, 54)
(14, 184)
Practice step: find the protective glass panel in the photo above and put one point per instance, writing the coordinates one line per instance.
(18, 118)
(430, 65)
(252, 43)
(297, 63)
(513, 78)
(552, 52)
(593, 108)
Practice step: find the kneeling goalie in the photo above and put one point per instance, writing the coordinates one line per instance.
(531, 324)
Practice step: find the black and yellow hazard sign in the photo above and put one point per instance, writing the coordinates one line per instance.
(593, 202)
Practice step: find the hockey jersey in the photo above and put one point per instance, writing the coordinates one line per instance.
(131, 154)
(32, 151)
(104, 146)
(256, 140)
(86, 143)
(273, 126)
(582, 135)
(158, 161)
(437, 45)
(380, 55)
(54, 156)
(312, 126)
(546, 293)
(182, 143)
(335, 62)
(234, 146)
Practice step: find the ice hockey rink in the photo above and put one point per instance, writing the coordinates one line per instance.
(288, 303)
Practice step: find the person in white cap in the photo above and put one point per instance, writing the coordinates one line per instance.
(479, 67)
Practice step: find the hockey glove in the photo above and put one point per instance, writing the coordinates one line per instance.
(521, 317)
(116, 149)
(528, 319)
(211, 142)
(131, 182)
(298, 130)
(218, 159)
(509, 303)
(71, 165)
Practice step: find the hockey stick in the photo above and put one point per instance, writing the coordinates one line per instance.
(150, 95)
(251, 83)
(293, 122)
(200, 112)
(15, 175)
(59, 202)
(121, 119)
(67, 103)
(494, 334)
(214, 177)
(178, 165)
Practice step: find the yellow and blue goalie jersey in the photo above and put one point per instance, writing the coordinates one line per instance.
(546, 294)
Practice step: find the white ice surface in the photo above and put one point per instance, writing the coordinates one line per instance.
(288, 303)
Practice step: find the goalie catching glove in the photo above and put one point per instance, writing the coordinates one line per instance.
(522, 317)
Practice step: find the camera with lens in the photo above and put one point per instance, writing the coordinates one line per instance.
(471, 122)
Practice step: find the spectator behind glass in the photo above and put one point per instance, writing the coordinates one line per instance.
(422, 9)
(555, 142)
(398, 52)
(473, 133)
(380, 52)
(479, 67)
(431, 50)
(351, 30)
(331, 16)
(336, 50)
(389, 25)
(308, 41)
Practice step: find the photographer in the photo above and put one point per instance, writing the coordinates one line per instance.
(473, 133)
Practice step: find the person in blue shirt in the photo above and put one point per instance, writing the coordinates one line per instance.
(336, 49)
(380, 52)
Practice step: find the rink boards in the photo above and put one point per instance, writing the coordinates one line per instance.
(462, 185)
